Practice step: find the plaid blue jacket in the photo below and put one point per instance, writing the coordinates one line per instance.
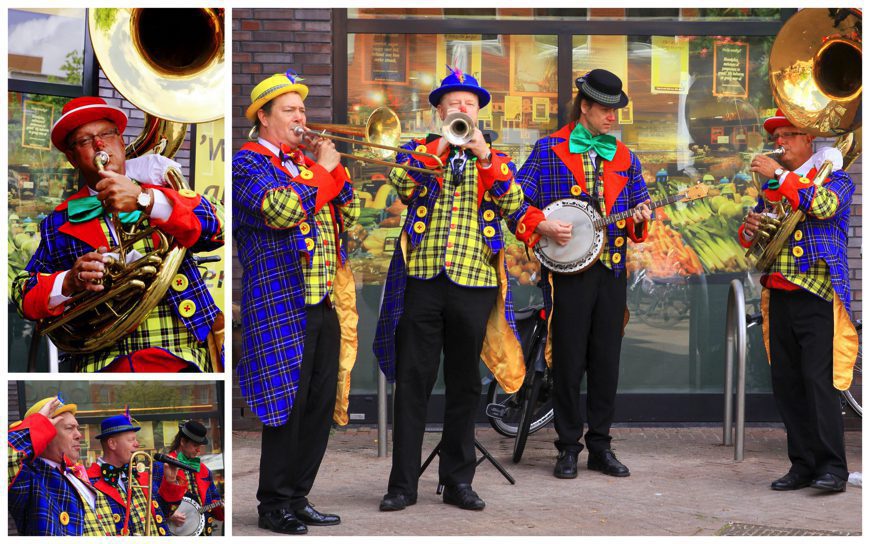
(41, 500)
(273, 285)
(552, 170)
(825, 239)
(63, 242)
(392, 305)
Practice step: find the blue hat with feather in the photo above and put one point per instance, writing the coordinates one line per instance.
(459, 81)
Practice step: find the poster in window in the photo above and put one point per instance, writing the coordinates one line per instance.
(625, 115)
(669, 65)
(513, 108)
(540, 109)
(458, 51)
(387, 59)
(731, 69)
(610, 52)
(36, 124)
(532, 67)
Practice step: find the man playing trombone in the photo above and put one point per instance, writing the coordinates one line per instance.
(133, 502)
(446, 290)
(298, 296)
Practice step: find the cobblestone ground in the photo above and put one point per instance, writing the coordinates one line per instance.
(683, 482)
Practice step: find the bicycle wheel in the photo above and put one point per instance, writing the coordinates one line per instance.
(853, 396)
(507, 405)
(530, 400)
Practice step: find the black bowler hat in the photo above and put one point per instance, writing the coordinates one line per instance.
(603, 87)
(195, 431)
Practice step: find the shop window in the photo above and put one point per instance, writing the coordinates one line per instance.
(46, 45)
(695, 115)
(555, 14)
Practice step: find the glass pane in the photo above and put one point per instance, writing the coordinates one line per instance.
(400, 71)
(47, 45)
(697, 104)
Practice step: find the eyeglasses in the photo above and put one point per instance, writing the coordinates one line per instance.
(786, 136)
(107, 136)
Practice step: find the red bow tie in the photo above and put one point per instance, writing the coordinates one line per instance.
(286, 154)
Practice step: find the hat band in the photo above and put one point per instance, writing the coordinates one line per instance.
(270, 90)
(121, 428)
(599, 96)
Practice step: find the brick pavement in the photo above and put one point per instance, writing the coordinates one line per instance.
(683, 483)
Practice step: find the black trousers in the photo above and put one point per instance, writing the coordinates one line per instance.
(291, 453)
(438, 314)
(801, 367)
(586, 329)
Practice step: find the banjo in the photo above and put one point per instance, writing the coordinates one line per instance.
(587, 233)
(194, 517)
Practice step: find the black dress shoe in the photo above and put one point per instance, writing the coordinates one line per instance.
(282, 521)
(791, 482)
(829, 482)
(607, 463)
(310, 516)
(566, 465)
(397, 501)
(463, 496)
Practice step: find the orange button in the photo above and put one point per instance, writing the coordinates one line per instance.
(576, 190)
(620, 224)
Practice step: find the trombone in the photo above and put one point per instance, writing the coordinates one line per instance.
(146, 463)
(381, 131)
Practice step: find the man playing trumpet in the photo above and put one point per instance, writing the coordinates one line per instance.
(811, 341)
(447, 291)
(110, 474)
(71, 258)
(298, 297)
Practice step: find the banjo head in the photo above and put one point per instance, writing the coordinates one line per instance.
(586, 241)
(194, 522)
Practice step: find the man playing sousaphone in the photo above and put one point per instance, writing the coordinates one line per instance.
(197, 479)
(810, 338)
(72, 255)
(586, 310)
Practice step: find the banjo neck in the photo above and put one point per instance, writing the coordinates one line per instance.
(209, 507)
(607, 220)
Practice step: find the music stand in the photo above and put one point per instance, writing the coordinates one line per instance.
(486, 457)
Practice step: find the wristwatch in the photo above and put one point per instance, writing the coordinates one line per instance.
(779, 172)
(143, 200)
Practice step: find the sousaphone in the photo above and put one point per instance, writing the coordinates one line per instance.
(170, 64)
(815, 79)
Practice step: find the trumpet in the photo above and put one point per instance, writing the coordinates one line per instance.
(458, 128)
(381, 131)
(143, 465)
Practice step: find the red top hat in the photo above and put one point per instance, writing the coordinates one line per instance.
(778, 120)
(83, 110)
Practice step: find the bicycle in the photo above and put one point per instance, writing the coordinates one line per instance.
(659, 302)
(529, 409)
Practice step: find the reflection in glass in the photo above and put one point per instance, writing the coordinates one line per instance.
(46, 45)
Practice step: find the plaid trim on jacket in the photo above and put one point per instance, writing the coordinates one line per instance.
(421, 202)
(823, 235)
(552, 170)
(195, 222)
(200, 487)
(272, 256)
(42, 502)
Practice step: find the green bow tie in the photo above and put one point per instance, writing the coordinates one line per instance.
(581, 142)
(192, 462)
(90, 207)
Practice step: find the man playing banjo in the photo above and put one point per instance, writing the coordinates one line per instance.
(587, 309)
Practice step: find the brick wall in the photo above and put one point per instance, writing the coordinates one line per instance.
(855, 238)
(266, 42)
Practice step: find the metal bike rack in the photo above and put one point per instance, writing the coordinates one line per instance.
(382, 414)
(735, 333)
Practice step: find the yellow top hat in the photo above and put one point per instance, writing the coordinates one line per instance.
(274, 86)
(63, 408)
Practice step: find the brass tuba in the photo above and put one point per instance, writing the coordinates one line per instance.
(170, 64)
(815, 79)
